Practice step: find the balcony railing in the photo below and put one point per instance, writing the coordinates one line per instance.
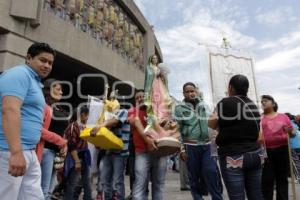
(106, 22)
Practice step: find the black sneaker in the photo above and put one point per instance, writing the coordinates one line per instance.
(185, 189)
(56, 196)
(129, 197)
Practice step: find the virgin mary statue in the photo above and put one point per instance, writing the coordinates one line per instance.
(157, 98)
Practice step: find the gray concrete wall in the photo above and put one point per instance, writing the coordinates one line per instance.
(8, 22)
(26, 9)
(65, 38)
(8, 59)
(13, 49)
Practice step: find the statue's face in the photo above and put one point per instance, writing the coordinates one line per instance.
(154, 60)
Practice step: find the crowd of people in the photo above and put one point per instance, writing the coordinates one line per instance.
(42, 155)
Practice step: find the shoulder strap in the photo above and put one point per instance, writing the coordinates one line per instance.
(258, 127)
(263, 145)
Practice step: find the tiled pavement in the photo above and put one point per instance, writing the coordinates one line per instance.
(172, 189)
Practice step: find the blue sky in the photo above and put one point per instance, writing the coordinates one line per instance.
(268, 29)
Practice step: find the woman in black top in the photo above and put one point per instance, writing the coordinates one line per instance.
(237, 120)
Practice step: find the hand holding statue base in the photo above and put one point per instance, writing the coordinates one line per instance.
(166, 137)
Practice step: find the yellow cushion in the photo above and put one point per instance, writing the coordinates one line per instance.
(104, 139)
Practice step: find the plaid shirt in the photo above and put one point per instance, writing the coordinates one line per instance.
(72, 134)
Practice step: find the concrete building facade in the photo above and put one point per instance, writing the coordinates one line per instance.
(108, 37)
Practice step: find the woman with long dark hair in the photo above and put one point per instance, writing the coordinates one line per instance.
(241, 158)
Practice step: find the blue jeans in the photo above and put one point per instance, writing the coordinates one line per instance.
(243, 173)
(201, 165)
(101, 155)
(149, 166)
(48, 172)
(73, 180)
(112, 176)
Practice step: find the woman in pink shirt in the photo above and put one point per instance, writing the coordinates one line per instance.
(276, 128)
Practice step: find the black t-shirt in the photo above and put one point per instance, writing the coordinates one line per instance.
(59, 123)
(238, 123)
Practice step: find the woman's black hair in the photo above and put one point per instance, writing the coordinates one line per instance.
(271, 99)
(78, 111)
(292, 117)
(240, 84)
(188, 84)
(48, 83)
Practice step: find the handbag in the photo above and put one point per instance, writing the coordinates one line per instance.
(58, 161)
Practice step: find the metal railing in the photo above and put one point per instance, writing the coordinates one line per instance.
(106, 22)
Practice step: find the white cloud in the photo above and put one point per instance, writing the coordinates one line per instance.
(180, 43)
(215, 10)
(280, 60)
(275, 16)
(288, 40)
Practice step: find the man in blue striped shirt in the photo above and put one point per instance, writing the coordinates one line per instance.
(112, 165)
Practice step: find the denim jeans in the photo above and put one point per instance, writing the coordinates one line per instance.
(201, 165)
(22, 187)
(149, 166)
(73, 180)
(131, 160)
(100, 155)
(184, 178)
(112, 176)
(47, 172)
(99, 184)
(242, 173)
